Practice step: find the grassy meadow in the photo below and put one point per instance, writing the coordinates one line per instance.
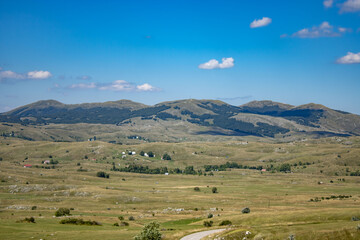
(280, 202)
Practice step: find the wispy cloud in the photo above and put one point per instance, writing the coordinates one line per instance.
(235, 98)
(328, 3)
(118, 85)
(350, 6)
(5, 75)
(323, 30)
(84, 77)
(349, 58)
(83, 85)
(260, 22)
(213, 63)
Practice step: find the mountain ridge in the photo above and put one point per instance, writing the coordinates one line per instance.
(257, 118)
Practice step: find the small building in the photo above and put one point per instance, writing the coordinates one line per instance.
(47, 162)
(133, 153)
(263, 170)
(27, 166)
(166, 174)
(146, 155)
(123, 153)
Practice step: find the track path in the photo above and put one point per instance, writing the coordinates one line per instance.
(200, 235)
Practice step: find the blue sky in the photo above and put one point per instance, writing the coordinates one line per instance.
(294, 52)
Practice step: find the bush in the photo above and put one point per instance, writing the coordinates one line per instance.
(166, 156)
(285, 167)
(121, 218)
(62, 212)
(355, 218)
(28, 220)
(151, 154)
(210, 215)
(131, 218)
(208, 223)
(196, 189)
(150, 232)
(124, 224)
(225, 223)
(1, 158)
(142, 153)
(116, 224)
(245, 210)
(33, 208)
(214, 190)
(102, 174)
(78, 221)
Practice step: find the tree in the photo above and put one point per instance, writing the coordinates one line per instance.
(142, 153)
(214, 190)
(151, 154)
(150, 232)
(166, 156)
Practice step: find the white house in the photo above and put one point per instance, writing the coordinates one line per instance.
(146, 155)
(133, 153)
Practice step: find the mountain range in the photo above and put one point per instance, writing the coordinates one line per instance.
(189, 118)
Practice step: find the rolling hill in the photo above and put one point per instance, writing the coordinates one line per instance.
(182, 120)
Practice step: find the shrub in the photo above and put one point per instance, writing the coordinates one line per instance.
(102, 175)
(245, 210)
(285, 167)
(355, 218)
(166, 156)
(1, 158)
(142, 153)
(116, 224)
(28, 220)
(225, 223)
(208, 223)
(78, 221)
(214, 190)
(124, 224)
(210, 215)
(151, 154)
(131, 218)
(33, 208)
(62, 212)
(196, 189)
(150, 232)
(121, 218)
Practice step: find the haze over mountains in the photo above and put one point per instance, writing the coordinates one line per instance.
(177, 120)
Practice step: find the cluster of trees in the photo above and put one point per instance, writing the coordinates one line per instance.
(79, 221)
(357, 173)
(282, 168)
(134, 168)
(227, 165)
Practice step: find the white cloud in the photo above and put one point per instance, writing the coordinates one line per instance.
(350, 6)
(213, 63)
(344, 30)
(350, 58)
(328, 3)
(39, 74)
(30, 75)
(260, 22)
(118, 85)
(145, 87)
(84, 85)
(10, 75)
(323, 30)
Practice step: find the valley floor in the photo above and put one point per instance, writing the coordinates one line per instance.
(304, 203)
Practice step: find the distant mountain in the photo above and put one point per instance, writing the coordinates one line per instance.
(210, 117)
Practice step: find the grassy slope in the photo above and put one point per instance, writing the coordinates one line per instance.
(279, 202)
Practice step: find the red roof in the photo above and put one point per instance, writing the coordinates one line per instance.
(27, 165)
